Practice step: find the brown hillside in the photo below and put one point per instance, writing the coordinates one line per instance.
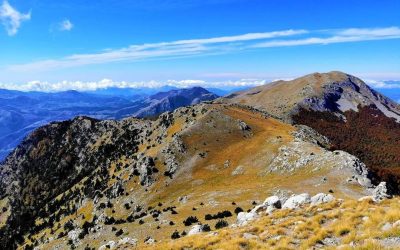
(226, 156)
(367, 134)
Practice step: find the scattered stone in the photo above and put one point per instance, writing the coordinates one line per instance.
(227, 164)
(249, 236)
(390, 242)
(331, 241)
(127, 241)
(386, 227)
(238, 171)
(196, 229)
(243, 126)
(150, 241)
(243, 218)
(183, 199)
(380, 192)
(269, 205)
(74, 235)
(321, 198)
(297, 201)
(110, 245)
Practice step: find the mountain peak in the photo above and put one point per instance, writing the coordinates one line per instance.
(334, 91)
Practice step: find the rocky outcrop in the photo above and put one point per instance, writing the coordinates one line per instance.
(307, 134)
(196, 229)
(273, 203)
(269, 205)
(321, 198)
(295, 156)
(297, 201)
(380, 192)
(146, 168)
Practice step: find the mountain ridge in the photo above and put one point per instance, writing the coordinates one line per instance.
(22, 112)
(145, 179)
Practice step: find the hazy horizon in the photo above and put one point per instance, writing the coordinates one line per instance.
(179, 43)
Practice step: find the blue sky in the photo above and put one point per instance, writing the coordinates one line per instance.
(221, 41)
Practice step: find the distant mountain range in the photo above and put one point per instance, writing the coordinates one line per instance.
(22, 112)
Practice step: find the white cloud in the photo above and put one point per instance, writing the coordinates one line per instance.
(107, 83)
(211, 46)
(11, 18)
(383, 84)
(341, 36)
(66, 25)
(155, 50)
(376, 32)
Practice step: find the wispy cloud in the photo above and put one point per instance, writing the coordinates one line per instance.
(341, 36)
(12, 18)
(107, 83)
(214, 45)
(66, 25)
(155, 50)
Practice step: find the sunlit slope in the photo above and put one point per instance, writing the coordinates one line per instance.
(209, 158)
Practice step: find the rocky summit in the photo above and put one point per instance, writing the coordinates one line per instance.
(310, 163)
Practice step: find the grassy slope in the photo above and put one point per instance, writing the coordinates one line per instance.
(346, 222)
(209, 185)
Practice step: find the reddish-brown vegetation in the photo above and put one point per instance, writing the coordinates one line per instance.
(367, 134)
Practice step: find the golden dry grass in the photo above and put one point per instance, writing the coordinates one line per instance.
(351, 222)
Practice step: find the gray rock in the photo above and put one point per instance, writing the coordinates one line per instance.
(110, 245)
(331, 241)
(386, 227)
(243, 126)
(297, 201)
(380, 192)
(249, 236)
(238, 171)
(150, 241)
(390, 242)
(243, 218)
(196, 229)
(269, 205)
(183, 199)
(145, 166)
(74, 235)
(321, 198)
(307, 134)
(127, 241)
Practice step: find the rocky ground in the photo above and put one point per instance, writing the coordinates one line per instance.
(302, 222)
(195, 178)
(137, 180)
